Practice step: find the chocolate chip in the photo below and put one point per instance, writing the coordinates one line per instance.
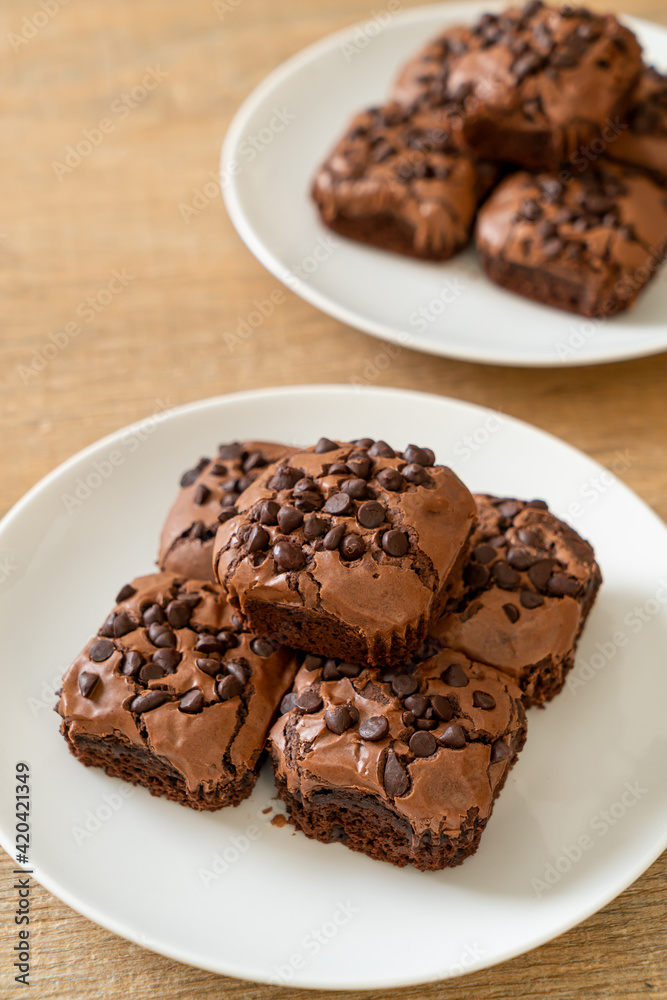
(512, 612)
(418, 456)
(525, 65)
(562, 585)
(324, 445)
(360, 466)
(338, 719)
(455, 676)
(125, 593)
(454, 738)
(423, 744)
(153, 615)
(257, 538)
(238, 670)
(208, 644)
(476, 575)
(481, 699)
(374, 728)
(168, 659)
(395, 777)
(333, 538)
(262, 647)
(192, 702)
(289, 519)
(147, 701)
(539, 573)
(404, 685)
(390, 479)
(338, 469)
(122, 624)
(178, 614)
(285, 478)
(189, 477)
(552, 248)
(484, 553)
(530, 210)
(230, 452)
(509, 508)
(346, 669)
(330, 671)
(395, 543)
(268, 512)
(208, 665)
(519, 558)
(151, 672)
(505, 577)
(101, 650)
(529, 599)
(381, 450)
(417, 704)
(288, 703)
(161, 635)
(229, 687)
(314, 527)
(312, 662)
(87, 682)
(416, 474)
(201, 495)
(442, 707)
(339, 503)
(131, 663)
(355, 488)
(529, 537)
(499, 751)
(309, 701)
(288, 556)
(371, 514)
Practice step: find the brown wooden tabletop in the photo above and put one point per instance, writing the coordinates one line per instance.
(159, 335)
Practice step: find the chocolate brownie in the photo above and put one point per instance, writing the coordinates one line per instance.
(207, 497)
(589, 246)
(536, 83)
(644, 142)
(173, 695)
(397, 181)
(347, 549)
(404, 766)
(531, 581)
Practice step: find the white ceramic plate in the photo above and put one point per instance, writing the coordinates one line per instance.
(274, 906)
(284, 130)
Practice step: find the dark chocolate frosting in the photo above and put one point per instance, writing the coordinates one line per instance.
(355, 531)
(172, 672)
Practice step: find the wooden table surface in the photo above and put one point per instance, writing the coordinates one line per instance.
(159, 335)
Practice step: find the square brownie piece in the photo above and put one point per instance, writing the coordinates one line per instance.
(398, 181)
(404, 766)
(347, 549)
(531, 581)
(536, 83)
(644, 142)
(589, 246)
(207, 496)
(173, 695)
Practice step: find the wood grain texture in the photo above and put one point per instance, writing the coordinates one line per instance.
(160, 341)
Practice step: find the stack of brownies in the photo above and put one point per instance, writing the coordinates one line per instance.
(359, 612)
(539, 130)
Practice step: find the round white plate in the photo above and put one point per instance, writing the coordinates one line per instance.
(285, 129)
(583, 814)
